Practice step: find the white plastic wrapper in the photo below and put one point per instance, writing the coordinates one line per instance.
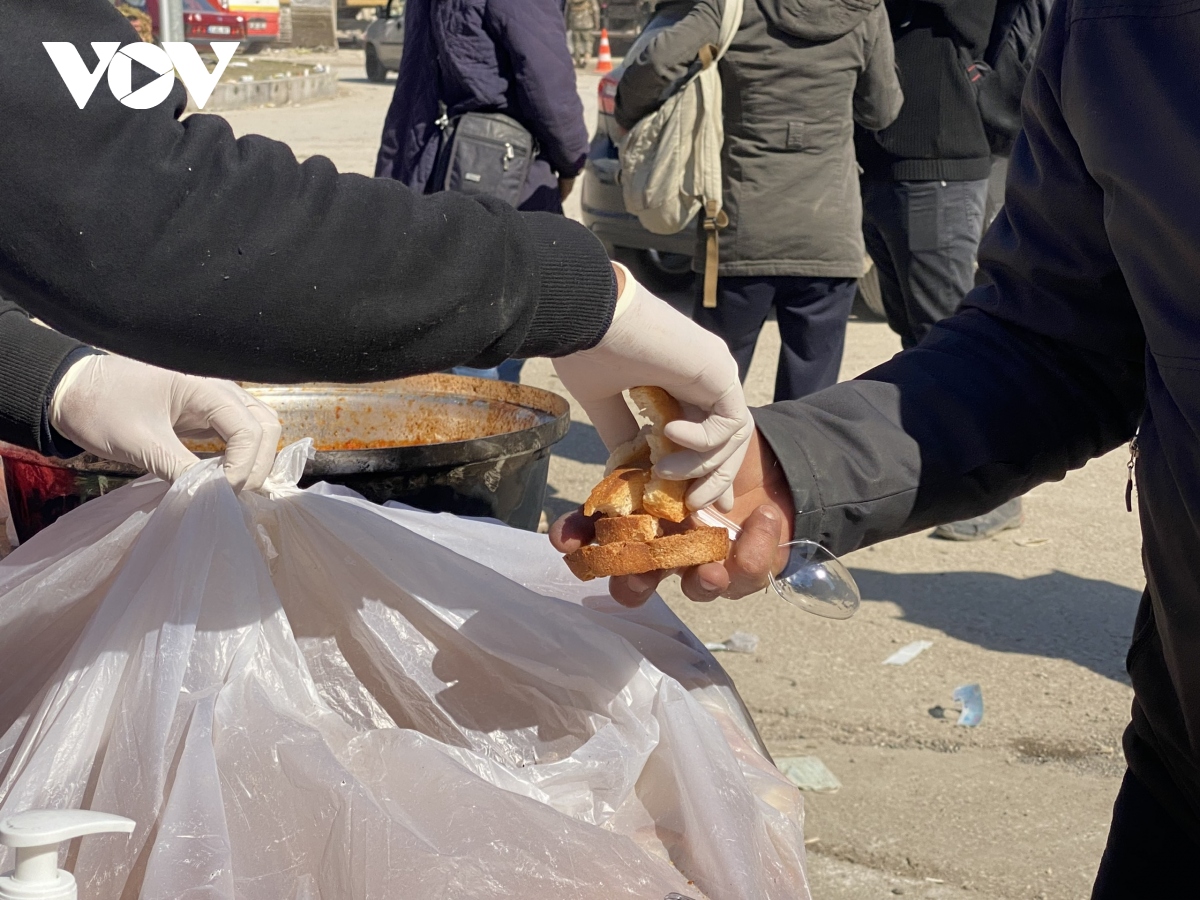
(301, 695)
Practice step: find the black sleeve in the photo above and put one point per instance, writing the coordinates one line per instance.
(1041, 370)
(32, 359)
(174, 243)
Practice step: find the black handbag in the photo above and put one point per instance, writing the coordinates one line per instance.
(483, 153)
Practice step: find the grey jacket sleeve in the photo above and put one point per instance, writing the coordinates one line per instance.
(672, 55)
(1040, 371)
(877, 96)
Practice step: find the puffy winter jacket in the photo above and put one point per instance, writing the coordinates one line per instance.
(507, 56)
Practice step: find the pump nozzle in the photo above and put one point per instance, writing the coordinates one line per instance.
(35, 834)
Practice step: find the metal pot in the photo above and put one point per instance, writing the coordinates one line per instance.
(446, 443)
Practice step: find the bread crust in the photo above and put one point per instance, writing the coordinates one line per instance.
(634, 453)
(618, 494)
(692, 548)
(627, 528)
(664, 498)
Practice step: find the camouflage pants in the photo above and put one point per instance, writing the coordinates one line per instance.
(581, 45)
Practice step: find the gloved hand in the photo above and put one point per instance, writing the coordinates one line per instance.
(650, 343)
(134, 413)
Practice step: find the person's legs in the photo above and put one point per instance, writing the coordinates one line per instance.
(489, 374)
(581, 47)
(742, 307)
(812, 316)
(887, 245)
(1148, 854)
(510, 370)
(944, 221)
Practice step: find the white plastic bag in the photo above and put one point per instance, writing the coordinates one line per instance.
(303, 695)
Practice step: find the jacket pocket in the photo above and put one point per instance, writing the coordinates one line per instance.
(811, 137)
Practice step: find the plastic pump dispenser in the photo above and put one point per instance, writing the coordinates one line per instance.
(35, 834)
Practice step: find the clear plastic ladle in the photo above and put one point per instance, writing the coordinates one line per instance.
(813, 578)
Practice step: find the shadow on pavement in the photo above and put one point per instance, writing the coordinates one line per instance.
(582, 444)
(1084, 620)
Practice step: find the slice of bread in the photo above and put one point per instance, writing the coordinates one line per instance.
(619, 494)
(664, 499)
(702, 545)
(633, 453)
(656, 405)
(627, 528)
(660, 408)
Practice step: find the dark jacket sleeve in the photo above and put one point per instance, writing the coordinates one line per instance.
(669, 57)
(534, 34)
(174, 243)
(877, 95)
(1041, 370)
(32, 360)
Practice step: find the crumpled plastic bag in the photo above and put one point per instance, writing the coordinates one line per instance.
(300, 695)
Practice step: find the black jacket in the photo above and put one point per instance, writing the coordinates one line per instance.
(1092, 323)
(173, 243)
(797, 76)
(939, 134)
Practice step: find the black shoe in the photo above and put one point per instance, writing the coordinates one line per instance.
(1002, 518)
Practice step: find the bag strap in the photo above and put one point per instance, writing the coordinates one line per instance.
(731, 21)
(716, 218)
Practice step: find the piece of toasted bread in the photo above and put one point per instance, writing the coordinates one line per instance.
(633, 453)
(702, 545)
(619, 494)
(660, 408)
(627, 528)
(656, 405)
(664, 499)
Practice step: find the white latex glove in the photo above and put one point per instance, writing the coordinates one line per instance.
(650, 343)
(134, 413)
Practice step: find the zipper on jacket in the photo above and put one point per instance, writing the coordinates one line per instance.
(509, 155)
(1133, 455)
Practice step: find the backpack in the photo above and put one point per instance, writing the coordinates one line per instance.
(671, 159)
(999, 78)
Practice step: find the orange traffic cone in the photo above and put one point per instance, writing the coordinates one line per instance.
(604, 60)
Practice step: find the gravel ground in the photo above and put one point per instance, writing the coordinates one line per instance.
(1040, 617)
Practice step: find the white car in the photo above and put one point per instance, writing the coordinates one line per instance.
(385, 42)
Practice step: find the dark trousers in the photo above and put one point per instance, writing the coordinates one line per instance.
(812, 314)
(923, 236)
(1148, 855)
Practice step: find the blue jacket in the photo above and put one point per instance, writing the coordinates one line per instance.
(506, 56)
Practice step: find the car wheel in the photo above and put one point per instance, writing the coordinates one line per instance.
(376, 71)
(251, 48)
(667, 271)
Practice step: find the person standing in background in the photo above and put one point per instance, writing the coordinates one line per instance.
(501, 56)
(583, 21)
(925, 185)
(796, 78)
